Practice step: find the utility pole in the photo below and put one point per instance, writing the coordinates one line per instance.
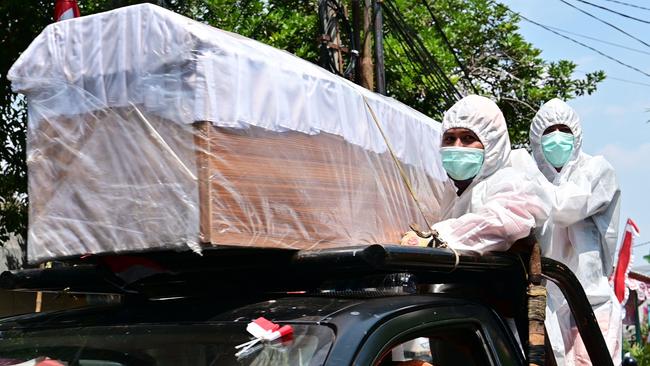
(379, 48)
(356, 29)
(367, 74)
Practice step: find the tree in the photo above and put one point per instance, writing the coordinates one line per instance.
(499, 62)
(484, 37)
(20, 22)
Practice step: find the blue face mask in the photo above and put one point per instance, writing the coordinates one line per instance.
(557, 147)
(462, 163)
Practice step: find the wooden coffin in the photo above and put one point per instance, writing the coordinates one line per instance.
(120, 181)
(293, 190)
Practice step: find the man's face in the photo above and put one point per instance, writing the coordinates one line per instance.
(559, 127)
(461, 137)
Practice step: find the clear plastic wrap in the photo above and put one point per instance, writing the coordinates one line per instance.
(148, 130)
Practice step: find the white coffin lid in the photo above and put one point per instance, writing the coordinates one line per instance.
(187, 71)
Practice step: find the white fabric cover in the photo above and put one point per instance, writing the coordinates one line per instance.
(502, 204)
(186, 71)
(583, 228)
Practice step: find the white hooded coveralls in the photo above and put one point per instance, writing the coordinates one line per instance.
(582, 233)
(502, 204)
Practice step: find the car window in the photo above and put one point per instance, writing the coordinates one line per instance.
(163, 345)
(447, 346)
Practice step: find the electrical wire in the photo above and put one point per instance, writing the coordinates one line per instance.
(627, 81)
(614, 11)
(436, 23)
(586, 46)
(429, 83)
(332, 20)
(412, 55)
(599, 40)
(426, 59)
(609, 77)
(417, 54)
(641, 244)
(605, 22)
(628, 4)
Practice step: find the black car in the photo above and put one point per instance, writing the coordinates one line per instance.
(376, 305)
(327, 331)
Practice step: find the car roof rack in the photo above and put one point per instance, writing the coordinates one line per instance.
(157, 274)
(262, 269)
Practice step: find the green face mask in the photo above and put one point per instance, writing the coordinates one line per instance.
(558, 147)
(462, 163)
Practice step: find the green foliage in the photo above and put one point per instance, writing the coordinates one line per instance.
(291, 25)
(20, 22)
(501, 64)
(640, 352)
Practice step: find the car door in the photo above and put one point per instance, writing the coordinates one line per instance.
(441, 336)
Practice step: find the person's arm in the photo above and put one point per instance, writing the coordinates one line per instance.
(589, 192)
(513, 206)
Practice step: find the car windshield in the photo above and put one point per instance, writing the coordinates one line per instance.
(162, 345)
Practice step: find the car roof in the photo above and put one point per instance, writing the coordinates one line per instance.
(290, 309)
(330, 309)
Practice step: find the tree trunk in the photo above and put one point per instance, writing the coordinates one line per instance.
(367, 71)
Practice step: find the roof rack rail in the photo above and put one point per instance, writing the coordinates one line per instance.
(260, 269)
(581, 310)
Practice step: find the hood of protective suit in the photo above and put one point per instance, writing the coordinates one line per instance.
(483, 117)
(554, 112)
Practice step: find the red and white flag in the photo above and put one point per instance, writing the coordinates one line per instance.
(65, 9)
(619, 277)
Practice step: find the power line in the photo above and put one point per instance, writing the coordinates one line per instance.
(641, 244)
(618, 79)
(605, 22)
(555, 30)
(599, 40)
(451, 49)
(418, 54)
(427, 77)
(627, 81)
(614, 11)
(414, 56)
(584, 45)
(628, 4)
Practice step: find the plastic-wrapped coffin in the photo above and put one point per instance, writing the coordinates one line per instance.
(148, 130)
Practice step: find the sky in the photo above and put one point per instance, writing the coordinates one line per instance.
(614, 118)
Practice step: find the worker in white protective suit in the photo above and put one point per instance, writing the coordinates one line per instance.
(495, 203)
(582, 230)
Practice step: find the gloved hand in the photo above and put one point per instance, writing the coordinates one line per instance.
(411, 238)
(418, 238)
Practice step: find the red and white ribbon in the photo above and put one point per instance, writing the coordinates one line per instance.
(263, 330)
(619, 277)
